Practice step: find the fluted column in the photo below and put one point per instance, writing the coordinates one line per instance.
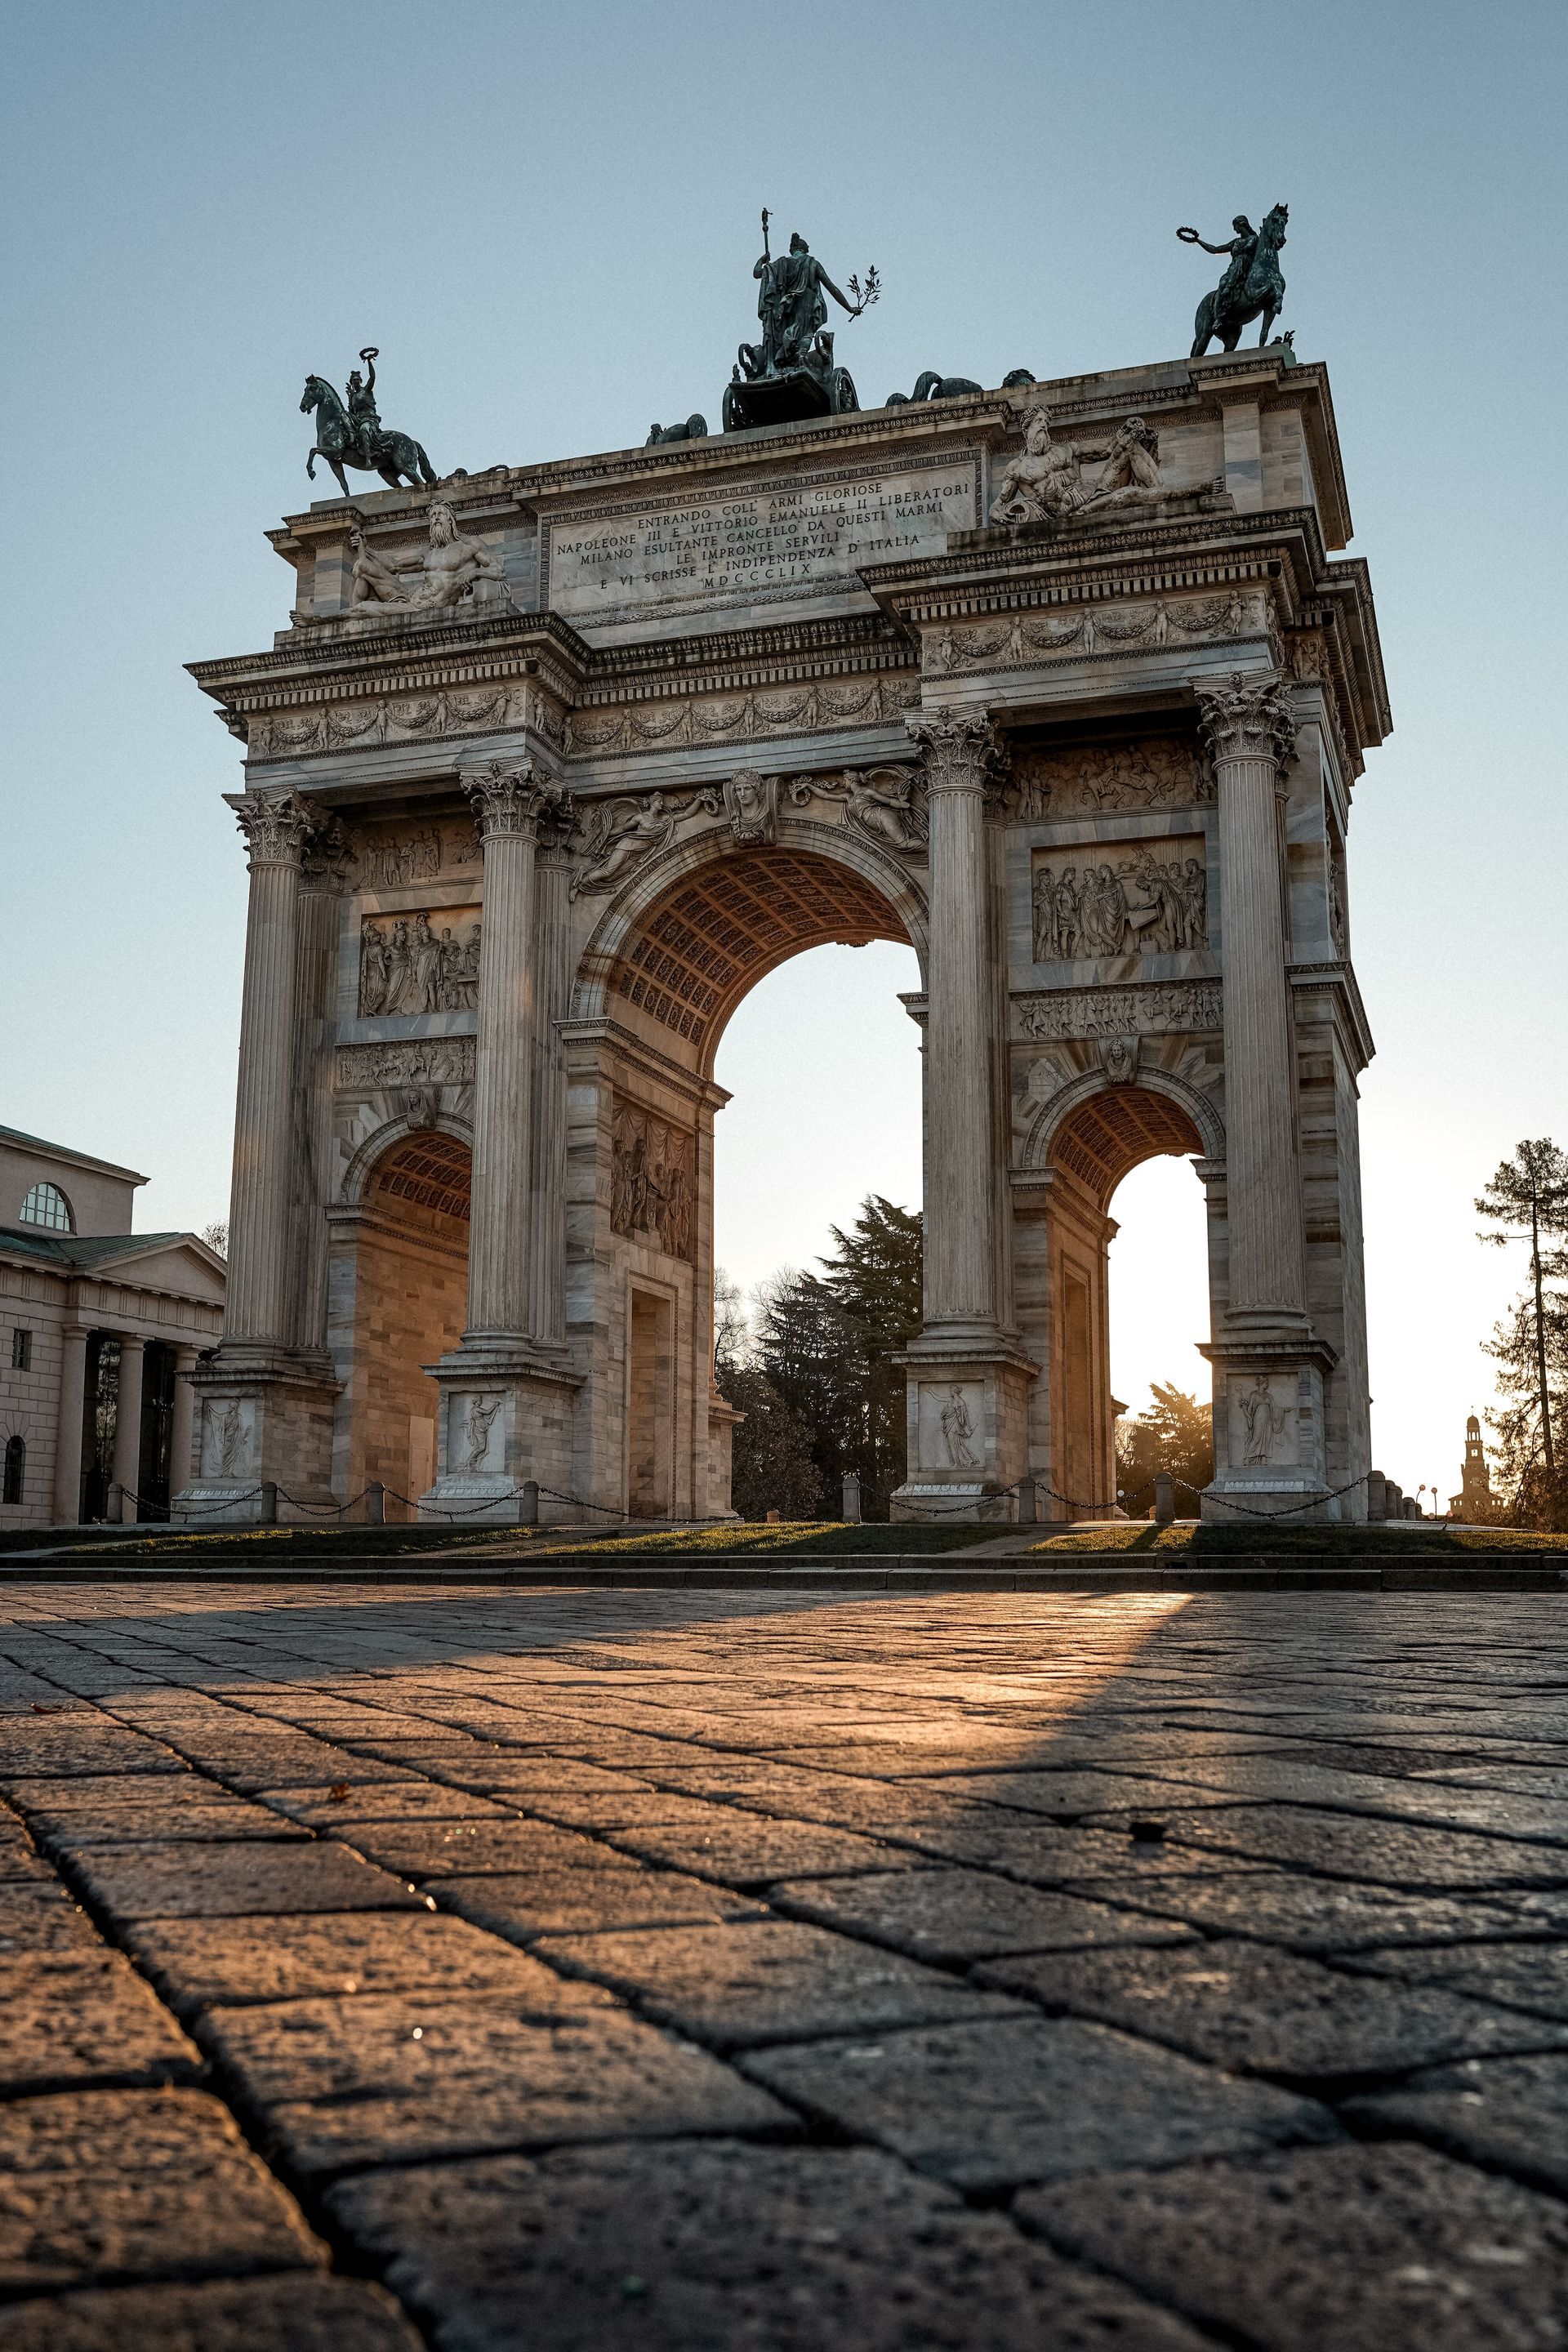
(553, 989)
(276, 832)
(182, 1426)
(507, 804)
(960, 753)
(1250, 730)
(128, 1426)
(68, 1425)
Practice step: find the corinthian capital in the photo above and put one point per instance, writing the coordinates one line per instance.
(276, 827)
(959, 748)
(508, 802)
(1248, 718)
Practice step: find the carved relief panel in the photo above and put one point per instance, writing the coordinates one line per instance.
(1106, 898)
(425, 962)
(391, 858)
(1093, 780)
(653, 1180)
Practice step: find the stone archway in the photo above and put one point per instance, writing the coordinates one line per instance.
(1078, 1151)
(402, 1246)
(663, 971)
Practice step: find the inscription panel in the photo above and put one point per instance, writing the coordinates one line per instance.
(789, 537)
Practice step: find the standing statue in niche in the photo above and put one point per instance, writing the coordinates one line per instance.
(957, 1429)
(1263, 1420)
(477, 1423)
(1252, 286)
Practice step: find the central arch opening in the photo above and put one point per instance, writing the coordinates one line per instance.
(773, 974)
(1117, 1129)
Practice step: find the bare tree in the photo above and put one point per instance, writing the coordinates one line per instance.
(217, 1238)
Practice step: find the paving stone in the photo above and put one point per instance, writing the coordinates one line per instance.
(430, 1850)
(958, 1915)
(173, 1882)
(198, 1963)
(1358, 2248)
(525, 1904)
(753, 1851)
(985, 2106)
(1531, 1977)
(343, 1803)
(703, 2246)
(599, 1809)
(1315, 1914)
(738, 1986)
(304, 2313)
(1359, 1846)
(1072, 1797)
(36, 1747)
(515, 1778)
(258, 1762)
(69, 2020)
(418, 1754)
(100, 2187)
(75, 1828)
(1499, 1812)
(397, 2079)
(1509, 2114)
(95, 1792)
(1263, 2012)
(20, 1864)
(43, 1918)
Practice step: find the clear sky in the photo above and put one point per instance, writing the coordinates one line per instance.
(546, 218)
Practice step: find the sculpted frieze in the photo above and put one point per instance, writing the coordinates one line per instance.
(624, 835)
(368, 722)
(408, 965)
(1161, 1007)
(1044, 482)
(1158, 771)
(740, 719)
(410, 1061)
(1148, 624)
(653, 1180)
(1137, 904)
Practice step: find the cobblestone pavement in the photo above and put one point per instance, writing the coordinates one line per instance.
(773, 1971)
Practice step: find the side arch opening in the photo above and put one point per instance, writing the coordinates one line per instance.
(1098, 1142)
(410, 1294)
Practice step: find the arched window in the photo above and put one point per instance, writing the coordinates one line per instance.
(16, 1468)
(46, 1204)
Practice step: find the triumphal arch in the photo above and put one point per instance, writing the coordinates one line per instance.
(1060, 683)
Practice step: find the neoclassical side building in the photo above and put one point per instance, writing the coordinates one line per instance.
(551, 764)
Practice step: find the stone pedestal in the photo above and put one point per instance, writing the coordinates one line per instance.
(968, 1440)
(505, 1417)
(1270, 1452)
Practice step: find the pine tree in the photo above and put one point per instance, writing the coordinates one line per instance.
(876, 1276)
(1528, 1197)
(1176, 1434)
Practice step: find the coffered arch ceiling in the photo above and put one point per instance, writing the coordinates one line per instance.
(690, 958)
(1110, 1134)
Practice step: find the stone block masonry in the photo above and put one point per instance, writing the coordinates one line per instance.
(1176, 1971)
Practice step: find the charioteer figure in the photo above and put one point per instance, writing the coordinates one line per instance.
(791, 375)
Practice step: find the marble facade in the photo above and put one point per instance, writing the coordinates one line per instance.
(515, 862)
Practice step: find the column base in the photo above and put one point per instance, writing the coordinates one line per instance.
(506, 1415)
(265, 1418)
(967, 1409)
(1270, 1440)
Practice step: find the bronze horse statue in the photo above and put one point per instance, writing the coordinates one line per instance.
(1251, 288)
(396, 455)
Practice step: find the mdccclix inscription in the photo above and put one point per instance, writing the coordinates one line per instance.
(769, 542)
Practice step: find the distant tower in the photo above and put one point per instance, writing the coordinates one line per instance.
(1473, 1500)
